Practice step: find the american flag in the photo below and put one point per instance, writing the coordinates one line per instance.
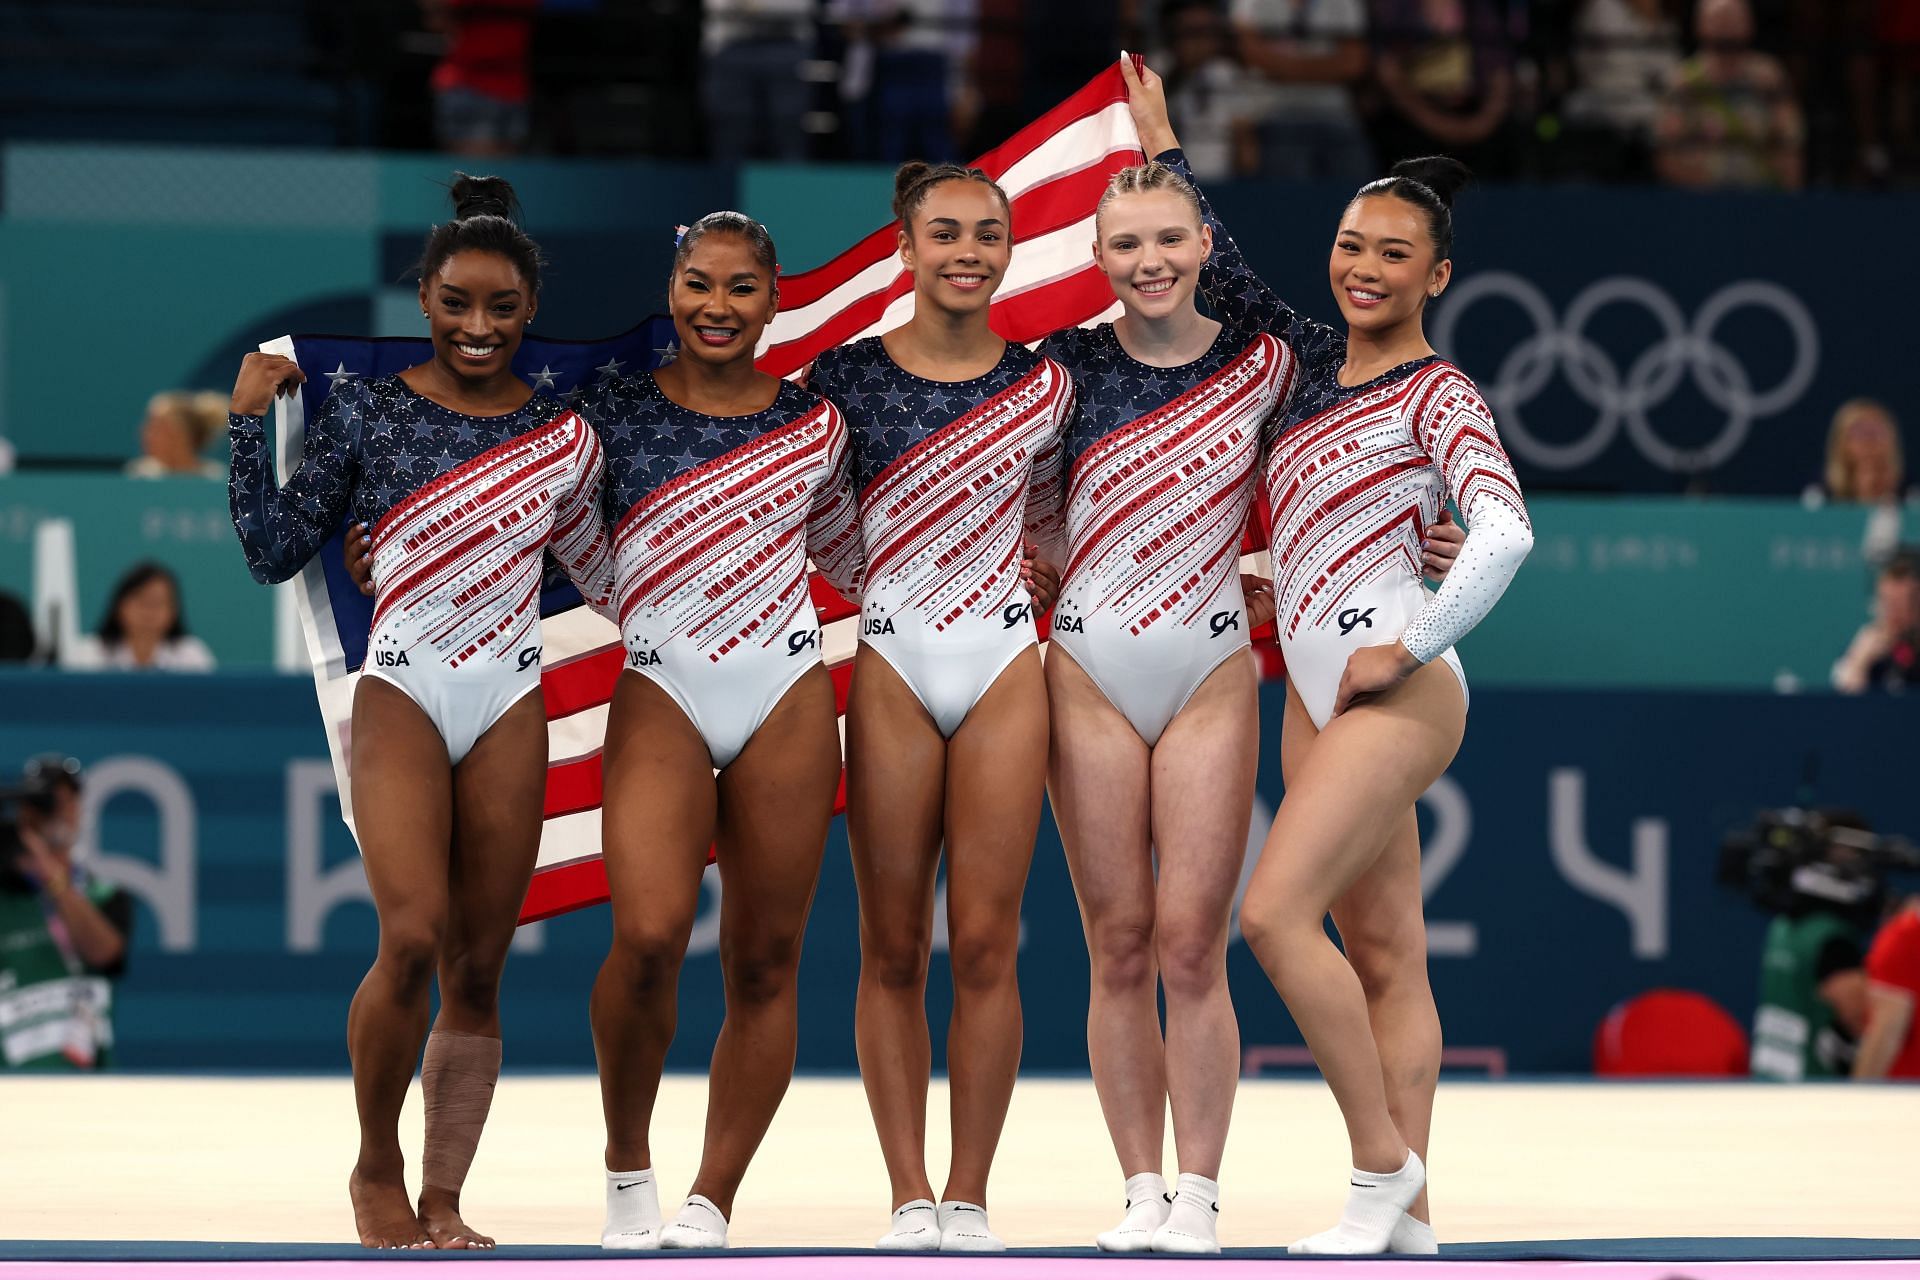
(1053, 171)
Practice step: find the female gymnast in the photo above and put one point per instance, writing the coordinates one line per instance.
(1153, 692)
(956, 445)
(1379, 432)
(721, 481)
(465, 477)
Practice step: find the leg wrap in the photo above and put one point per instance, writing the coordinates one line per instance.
(457, 1077)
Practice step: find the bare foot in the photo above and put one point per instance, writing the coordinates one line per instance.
(440, 1218)
(382, 1215)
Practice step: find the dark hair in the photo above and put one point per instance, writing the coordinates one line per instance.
(913, 181)
(17, 643)
(110, 631)
(486, 216)
(752, 230)
(1904, 562)
(1429, 183)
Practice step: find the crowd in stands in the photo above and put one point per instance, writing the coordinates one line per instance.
(1700, 93)
(1695, 93)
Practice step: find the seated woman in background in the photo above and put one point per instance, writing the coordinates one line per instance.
(179, 425)
(1864, 460)
(143, 628)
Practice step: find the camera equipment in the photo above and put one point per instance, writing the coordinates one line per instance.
(1796, 861)
(35, 795)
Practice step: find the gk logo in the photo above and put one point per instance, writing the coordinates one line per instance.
(529, 658)
(1015, 614)
(1227, 620)
(1351, 618)
(798, 640)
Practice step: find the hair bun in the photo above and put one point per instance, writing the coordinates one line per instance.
(475, 197)
(905, 179)
(1442, 175)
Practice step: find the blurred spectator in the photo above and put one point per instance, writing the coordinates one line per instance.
(16, 630)
(1730, 118)
(1865, 462)
(144, 628)
(482, 87)
(178, 425)
(1625, 54)
(1885, 654)
(63, 933)
(1313, 52)
(1446, 68)
(755, 98)
(1890, 1047)
(904, 87)
(1892, 79)
(1209, 97)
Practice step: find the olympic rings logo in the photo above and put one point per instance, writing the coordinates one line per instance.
(1624, 399)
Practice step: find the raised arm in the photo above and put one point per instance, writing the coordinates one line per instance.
(1457, 430)
(833, 523)
(280, 527)
(1234, 293)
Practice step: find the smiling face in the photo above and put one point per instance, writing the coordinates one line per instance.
(478, 308)
(1151, 245)
(1382, 266)
(721, 299)
(958, 246)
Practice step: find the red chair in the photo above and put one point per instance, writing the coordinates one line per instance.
(1669, 1033)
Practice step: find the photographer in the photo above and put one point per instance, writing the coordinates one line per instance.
(1890, 1047)
(63, 935)
(1820, 873)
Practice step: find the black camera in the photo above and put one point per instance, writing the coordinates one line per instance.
(32, 795)
(1794, 862)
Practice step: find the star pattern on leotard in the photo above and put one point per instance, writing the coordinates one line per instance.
(648, 440)
(1115, 389)
(371, 444)
(889, 410)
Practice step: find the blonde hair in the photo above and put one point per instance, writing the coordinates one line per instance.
(1840, 479)
(202, 413)
(1151, 176)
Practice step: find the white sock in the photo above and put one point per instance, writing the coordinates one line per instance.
(1411, 1235)
(1147, 1201)
(633, 1211)
(1375, 1204)
(964, 1229)
(1192, 1224)
(698, 1225)
(916, 1226)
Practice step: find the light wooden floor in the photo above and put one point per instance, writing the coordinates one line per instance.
(266, 1159)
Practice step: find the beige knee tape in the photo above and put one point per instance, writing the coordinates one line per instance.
(457, 1077)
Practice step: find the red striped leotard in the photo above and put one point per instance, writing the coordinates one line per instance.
(949, 476)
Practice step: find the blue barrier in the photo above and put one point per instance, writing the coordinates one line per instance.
(1569, 863)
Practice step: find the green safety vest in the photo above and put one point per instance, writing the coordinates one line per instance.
(54, 1015)
(1794, 1037)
